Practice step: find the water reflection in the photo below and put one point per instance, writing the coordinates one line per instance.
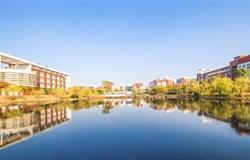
(235, 113)
(20, 122)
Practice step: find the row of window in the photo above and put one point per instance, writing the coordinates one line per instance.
(244, 66)
(23, 79)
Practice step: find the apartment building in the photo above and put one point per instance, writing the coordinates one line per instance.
(183, 80)
(138, 86)
(21, 72)
(162, 82)
(239, 62)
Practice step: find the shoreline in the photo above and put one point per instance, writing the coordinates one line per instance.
(41, 99)
(192, 97)
(54, 99)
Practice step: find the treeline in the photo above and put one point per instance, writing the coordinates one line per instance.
(72, 92)
(215, 87)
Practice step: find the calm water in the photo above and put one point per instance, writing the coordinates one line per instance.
(125, 129)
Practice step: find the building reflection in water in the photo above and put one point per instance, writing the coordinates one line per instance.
(109, 104)
(20, 122)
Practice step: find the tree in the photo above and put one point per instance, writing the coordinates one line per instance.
(85, 92)
(74, 92)
(99, 91)
(3, 85)
(221, 86)
(241, 85)
(107, 85)
(14, 88)
(242, 73)
(59, 92)
(158, 90)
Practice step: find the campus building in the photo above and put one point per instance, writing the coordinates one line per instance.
(221, 72)
(239, 62)
(17, 71)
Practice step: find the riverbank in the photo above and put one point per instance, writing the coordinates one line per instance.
(245, 98)
(56, 99)
(42, 99)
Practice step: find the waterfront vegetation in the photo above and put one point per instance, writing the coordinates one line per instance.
(76, 91)
(219, 87)
(213, 88)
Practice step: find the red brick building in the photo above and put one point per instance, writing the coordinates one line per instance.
(239, 62)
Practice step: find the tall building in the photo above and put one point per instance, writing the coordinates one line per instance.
(21, 72)
(239, 62)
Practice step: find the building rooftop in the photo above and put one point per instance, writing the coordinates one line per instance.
(9, 59)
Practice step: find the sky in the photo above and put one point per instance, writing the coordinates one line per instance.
(125, 41)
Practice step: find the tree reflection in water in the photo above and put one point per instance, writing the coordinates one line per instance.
(237, 113)
(19, 122)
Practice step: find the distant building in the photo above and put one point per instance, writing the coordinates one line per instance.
(183, 80)
(138, 86)
(129, 88)
(21, 72)
(164, 82)
(239, 62)
(118, 88)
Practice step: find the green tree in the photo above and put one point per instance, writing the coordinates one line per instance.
(242, 73)
(107, 85)
(241, 86)
(59, 92)
(158, 90)
(221, 86)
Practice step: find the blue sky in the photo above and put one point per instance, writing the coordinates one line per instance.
(126, 41)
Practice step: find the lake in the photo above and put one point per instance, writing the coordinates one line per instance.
(126, 129)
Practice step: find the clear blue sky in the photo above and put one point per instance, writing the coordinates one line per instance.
(126, 41)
